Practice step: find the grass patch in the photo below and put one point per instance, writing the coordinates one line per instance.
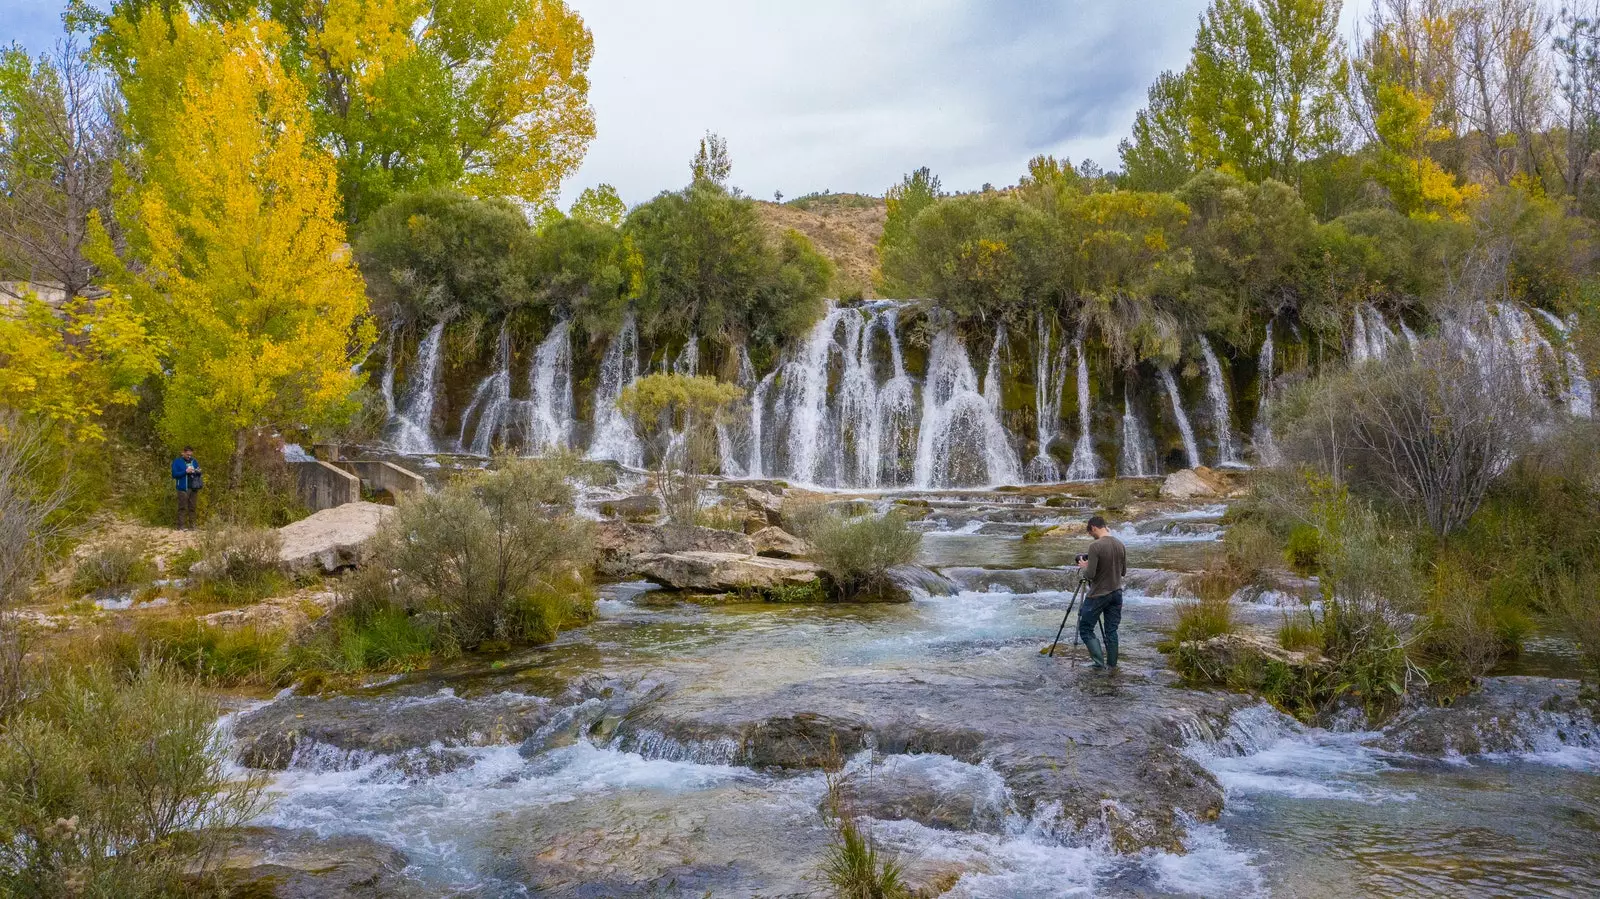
(1202, 619)
(216, 656)
(113, 564)
(1114, 495)
(236, 564)
(1300, 632)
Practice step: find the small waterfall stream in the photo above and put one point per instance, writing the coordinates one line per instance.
(1265, 444)
(614, 437)
(413, 427)
(1191, 450)
(550, 406)
(1221, 408)
(961, 441)
(1138, 454)
(1049, 378)
(1579, 392)
(1084, 467)
(487, 411)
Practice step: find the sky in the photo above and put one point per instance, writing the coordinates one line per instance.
(846, 95)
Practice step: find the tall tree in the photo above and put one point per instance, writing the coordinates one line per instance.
(487, 95)
(1578, 81)
(1157, 157)
(1266, 84)
(711, 162)
(236, 253)
(1506, 82)
(58, 141)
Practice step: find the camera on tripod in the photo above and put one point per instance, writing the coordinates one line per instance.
(1080, 559)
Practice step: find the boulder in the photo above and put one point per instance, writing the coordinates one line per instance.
(720, 572)
(621, 543)
(300, 864)
(767, 505)
(632, 508)
(1507, 715)
(331, 539)
(1192, 483)
(772, 541)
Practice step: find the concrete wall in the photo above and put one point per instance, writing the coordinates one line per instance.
(323, 486)
(385, 476)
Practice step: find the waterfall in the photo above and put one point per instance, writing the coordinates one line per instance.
(1137, 457)
(688, 361)
(1084, 467)
(961, 441)
(1221, 407)
(1515, 332)
(895, 413)
(1370, 335)
(489, 403)
(803, 403)
(1190, 450)
(991, 374)
(1049, 378)
(412, 428)
(1579, 392)
(758, 407)
(729, 455)
(1266, 446)
(550, 416)
(386, 385)
(614, 437)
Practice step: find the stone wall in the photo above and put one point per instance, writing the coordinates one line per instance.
(378, 475)
(323, 486)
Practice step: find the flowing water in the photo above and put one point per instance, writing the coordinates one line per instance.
(1191, 450)
(1221, 408)
(614, 437)
(1265, 445)
(1137, 456)
(1049, 378)
(1085, 466)
(412, 426)
(656, 752)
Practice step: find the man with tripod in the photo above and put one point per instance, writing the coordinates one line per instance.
(1103, 567)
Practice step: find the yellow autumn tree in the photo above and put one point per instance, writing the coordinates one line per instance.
(68, 366)
(237, 255)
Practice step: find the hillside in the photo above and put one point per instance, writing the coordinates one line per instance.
(845, 228)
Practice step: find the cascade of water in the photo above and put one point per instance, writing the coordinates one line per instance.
(731, 436)
(412, 428)
(1579, 393)
(895, 414)
(1190, 449)
(758, 408)
(1266, 446)
(614, 437)
(1517, 335)
(991, 374)
(1084, 467)
(386, 386)
(688, 361)
(961, 441)
(1137, 456)
(803, 403)
(1050, 379)
(489, 403)
(550, 415)
(1221, 407)
(858, 404)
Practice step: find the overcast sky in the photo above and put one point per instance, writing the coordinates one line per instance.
(846, 95)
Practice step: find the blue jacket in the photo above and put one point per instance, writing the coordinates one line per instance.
(180, 471)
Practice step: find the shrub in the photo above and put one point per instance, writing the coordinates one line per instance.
(111, 564)
(366, 630)
(1575, 600)
(1114, 495)
(853, 866)
(114, 788)
(1202, 619)
(218, 656)
(857, 553)
(1301, 632)
(493, 556)
(678, 417)
(237, 564)
(722, 517)
(31, 496)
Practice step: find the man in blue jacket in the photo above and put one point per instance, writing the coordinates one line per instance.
(183, 468)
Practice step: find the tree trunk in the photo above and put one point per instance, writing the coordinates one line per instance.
(236, 464)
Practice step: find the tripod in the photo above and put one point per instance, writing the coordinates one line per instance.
(1077, 593)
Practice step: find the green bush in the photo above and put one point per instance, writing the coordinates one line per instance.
(112, 564)
(1114, 495)
(857, 553)
(237, 564)
(1301, 632)
(853, 865)
(217, 656)
(1202, 619)
(114, 788)
(493, 557)
(1575, 600)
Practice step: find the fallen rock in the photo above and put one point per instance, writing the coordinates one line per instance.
(772, 541)
(721, 572)
(281, 613)
(1508, 714)
(1191, 483)
(620, 543)
(767, 505)
(632, 508)
(300, 864)
(331, 539)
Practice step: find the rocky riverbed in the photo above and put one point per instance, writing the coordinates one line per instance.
(679, 749)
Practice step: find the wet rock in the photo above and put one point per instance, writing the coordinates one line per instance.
(779, 543)
(621, 544)
(932, 791)
(1192, 483)
(632, 508)
(1015, 580)
(1156, 582)
(1178, 527)
(1509, 714)
(332, 539)
(300, 864)
(1240, 654)
(912, 581)
(721, 572)
(349, 729)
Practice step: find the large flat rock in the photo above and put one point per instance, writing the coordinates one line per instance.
(721, 572)
(620, 543)
(331, 539)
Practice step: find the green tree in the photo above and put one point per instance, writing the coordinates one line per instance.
(487, 95)
(915, 192)
(600, 204)
(584, 270)
(711, 162)
(1157, 156)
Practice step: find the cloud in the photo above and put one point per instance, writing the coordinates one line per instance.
(840, 95)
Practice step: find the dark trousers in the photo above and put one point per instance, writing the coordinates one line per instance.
(186, 509)
(1107, 607)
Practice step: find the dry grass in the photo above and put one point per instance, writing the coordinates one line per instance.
(846, 235)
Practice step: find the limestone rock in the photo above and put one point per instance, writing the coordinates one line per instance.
(331, 539)
(772, 541)
(281, 613)
(1224, 652)
(1192, 483)
(620, 543)
(300, 864)
(1509, 714)
(632, 508)
(720, 572)
(767, 505)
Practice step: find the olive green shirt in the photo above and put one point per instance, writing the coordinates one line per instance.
(1108, 564)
